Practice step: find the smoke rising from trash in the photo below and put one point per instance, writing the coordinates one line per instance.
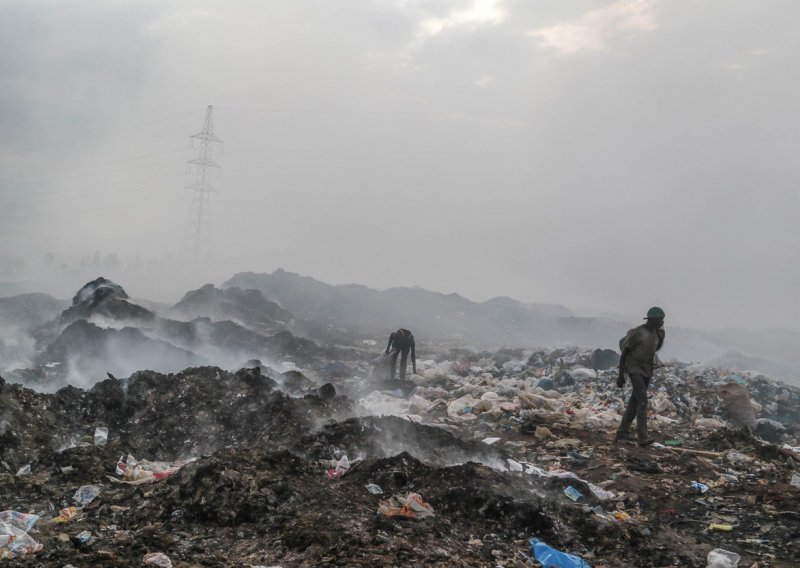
(488, 283)
(307, 386)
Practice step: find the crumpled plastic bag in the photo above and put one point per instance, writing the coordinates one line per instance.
(736, 401)
(721, 558)
(605, 419)
(86, 494)
(456, 409)
(14, 539)
(411, 506)
(582, 374)
(484, 405)
(137, 472)
(342, 467)
(662, 405)
(66, 514)
(535, 401)
(418, 404)
(708, 424)
(378, 403)
(157, 559)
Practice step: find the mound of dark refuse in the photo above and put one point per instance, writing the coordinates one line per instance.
(212, 468)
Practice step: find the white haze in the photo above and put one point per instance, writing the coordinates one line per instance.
(609, 155)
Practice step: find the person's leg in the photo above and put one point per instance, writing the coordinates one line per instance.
(627, 418)
(403, 364)
(393, 366)
(640, 384)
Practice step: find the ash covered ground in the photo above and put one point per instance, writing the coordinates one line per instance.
(276, 462)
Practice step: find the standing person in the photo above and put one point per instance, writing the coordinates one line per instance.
(401, 341)
(638, 361)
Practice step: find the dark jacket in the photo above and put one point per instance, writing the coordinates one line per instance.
(401, 340)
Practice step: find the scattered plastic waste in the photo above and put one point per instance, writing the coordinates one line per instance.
(65, 514)
(100, 436)
(84, 536)
(86, 494)
(14, 538)
(721, 558)
(157, 559)
(598, 492)
(737, 458)
(572, 493)
(577, 456)
(137, 472)
(536, 435)
(622, 516)
(719, 527)
(342, 467)
(24, 470)
(549, 557)
(411, 506)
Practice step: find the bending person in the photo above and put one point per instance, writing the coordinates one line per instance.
(401, 342)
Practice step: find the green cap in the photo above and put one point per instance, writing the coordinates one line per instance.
(655, 313)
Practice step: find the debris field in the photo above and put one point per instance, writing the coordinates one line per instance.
(461, 465)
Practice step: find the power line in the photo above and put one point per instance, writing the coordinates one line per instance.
(453, 113)
(84, 213)
(70, 192)
(66, 180)
(88, 166)
(98, 134)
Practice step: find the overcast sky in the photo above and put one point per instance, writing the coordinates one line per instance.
(601, 154)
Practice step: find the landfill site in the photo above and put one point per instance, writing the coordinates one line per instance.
(227, 431)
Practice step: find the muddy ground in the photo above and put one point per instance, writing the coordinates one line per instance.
(256, 493)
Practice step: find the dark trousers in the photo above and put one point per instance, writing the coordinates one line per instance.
(403, 363)
(637, 408)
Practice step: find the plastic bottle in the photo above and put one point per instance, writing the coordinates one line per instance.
(549, 557)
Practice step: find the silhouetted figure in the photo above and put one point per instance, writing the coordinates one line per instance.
(401, 342)
(638, 361)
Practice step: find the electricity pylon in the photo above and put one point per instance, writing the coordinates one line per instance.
(197, 243)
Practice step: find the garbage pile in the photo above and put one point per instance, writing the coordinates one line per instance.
(106, 331)
(490, 459)
(501, 393)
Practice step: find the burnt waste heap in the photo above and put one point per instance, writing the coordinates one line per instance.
(292, 453)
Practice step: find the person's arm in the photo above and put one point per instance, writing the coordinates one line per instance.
(623, 358)
(389, 345)
(413, 356)
(660, 333)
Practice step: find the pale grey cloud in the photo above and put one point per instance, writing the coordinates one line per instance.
(594, 30)
(480, 12)
(654, 165)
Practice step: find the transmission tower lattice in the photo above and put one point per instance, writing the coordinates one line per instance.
(197, 239)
